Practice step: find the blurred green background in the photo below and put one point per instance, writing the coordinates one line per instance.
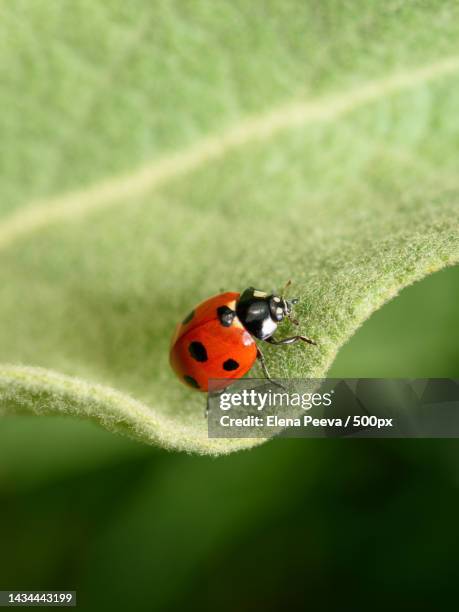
(334, 524)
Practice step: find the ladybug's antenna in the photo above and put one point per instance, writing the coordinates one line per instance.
(286, 287)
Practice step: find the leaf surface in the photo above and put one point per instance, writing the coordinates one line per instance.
(155, 154)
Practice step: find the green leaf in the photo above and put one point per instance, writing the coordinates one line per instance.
(157, 153)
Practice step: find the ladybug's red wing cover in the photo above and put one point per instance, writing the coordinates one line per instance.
(203, 348)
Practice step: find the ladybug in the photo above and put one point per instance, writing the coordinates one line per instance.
(217, 340)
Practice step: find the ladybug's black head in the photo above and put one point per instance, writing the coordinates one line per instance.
(260, 312)
(280, 307)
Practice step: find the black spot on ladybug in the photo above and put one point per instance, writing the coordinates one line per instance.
(225, 315)
(191, 381)
(188, 318)
(198, 351)
(230, 364)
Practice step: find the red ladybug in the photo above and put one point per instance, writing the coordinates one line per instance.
(217, 339)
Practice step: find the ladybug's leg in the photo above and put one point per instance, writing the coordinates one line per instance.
(261, 358)
(291, 340)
